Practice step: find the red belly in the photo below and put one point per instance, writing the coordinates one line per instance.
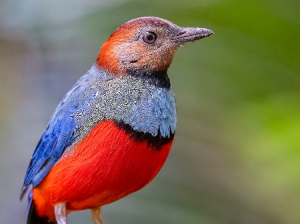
(104, 167)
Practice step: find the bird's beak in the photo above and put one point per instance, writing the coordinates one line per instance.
(191, 34)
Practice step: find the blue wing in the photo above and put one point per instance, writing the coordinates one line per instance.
(62, 129)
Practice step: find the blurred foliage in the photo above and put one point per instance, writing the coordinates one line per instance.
(236, 155)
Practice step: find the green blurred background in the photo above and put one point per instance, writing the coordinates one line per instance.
(236, 155)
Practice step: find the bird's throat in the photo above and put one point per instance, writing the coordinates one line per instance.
(158, 78)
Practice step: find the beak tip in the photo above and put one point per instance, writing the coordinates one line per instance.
(209, 32)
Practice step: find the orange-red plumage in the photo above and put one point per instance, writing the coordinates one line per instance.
(98, 171)
(113, 131)
(117, 49)
(107, 58)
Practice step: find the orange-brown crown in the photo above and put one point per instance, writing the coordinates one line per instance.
(147, 43)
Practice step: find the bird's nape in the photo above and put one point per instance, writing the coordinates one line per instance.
(146, 44)
(113, 131)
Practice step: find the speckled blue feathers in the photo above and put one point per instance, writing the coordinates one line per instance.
(99, 96)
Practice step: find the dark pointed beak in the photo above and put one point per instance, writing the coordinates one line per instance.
(192, 34)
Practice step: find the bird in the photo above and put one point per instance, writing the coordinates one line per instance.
(112, 132)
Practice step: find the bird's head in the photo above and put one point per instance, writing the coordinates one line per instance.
(145, 44)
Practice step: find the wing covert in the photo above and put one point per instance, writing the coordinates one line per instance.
(63, 127)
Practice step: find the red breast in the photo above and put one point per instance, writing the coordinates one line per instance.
(104, 167)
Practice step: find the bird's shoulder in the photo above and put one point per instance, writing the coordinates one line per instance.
(64, 125)
(98, 96)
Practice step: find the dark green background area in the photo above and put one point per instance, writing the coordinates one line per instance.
(236, 154)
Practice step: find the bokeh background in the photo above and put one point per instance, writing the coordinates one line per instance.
(236, 155)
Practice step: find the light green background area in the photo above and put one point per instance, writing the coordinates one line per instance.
(236, 154)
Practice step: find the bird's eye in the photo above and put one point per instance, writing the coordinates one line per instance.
(149, 37)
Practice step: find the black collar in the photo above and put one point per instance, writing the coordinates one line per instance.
(158, 78)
